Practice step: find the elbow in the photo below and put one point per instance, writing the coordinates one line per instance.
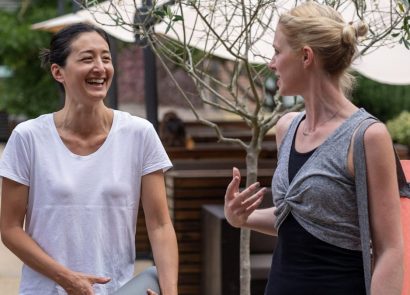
(393, 256)
(4, 236)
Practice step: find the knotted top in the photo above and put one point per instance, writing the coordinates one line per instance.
(322, 195)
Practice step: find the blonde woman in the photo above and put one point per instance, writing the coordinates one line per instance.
(314, 191)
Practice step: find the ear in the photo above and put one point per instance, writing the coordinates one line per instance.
(56, 71)
(307, 56)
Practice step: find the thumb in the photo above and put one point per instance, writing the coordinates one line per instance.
(236, 173)
(99, 280)
(233, 186)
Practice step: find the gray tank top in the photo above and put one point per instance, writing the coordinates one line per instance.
(322, 195)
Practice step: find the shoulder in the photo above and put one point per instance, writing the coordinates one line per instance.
(283, 124)
(32, 127)
(377, 141)
(376, 135)
(131, 122)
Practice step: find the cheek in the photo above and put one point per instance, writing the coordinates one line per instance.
(110, 71)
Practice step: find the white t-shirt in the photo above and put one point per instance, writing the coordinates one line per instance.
(82, 210)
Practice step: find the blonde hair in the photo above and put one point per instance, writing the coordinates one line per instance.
(332, 40)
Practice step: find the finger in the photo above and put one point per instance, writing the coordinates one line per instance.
(236, 172)
(99, 280)
(249, 191)
(150, 292)
(233, 186)
(253, 206)
(257, 196)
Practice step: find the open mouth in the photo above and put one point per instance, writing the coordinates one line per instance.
(97, 82)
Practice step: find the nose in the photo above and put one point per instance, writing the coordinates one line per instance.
(271, 64)
(99, 65)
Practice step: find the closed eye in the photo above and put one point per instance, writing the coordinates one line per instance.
(87, 59)
(107, 58)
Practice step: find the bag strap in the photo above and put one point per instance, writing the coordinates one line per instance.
(360, 171)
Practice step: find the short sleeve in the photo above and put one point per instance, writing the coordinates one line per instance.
(15, 160)
(155, 156)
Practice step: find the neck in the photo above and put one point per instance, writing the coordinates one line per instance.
(324, 106)
(84, 120)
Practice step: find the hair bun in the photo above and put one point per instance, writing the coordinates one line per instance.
(352, 31)
(361, 29)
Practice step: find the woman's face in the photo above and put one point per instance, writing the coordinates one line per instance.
(287, 65)
(88, 72)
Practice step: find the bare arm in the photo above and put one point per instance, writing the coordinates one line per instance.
(13, 210)
(241, 207)
(160, 231)
(384, 211)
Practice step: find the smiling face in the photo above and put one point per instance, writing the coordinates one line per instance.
(287, 65)
(88, 71)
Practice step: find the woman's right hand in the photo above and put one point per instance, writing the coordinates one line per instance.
(239, 205)
(82, 284)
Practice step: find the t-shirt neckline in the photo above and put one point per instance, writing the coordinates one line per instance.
(93, 154)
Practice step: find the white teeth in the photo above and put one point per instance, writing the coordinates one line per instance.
(97, 81)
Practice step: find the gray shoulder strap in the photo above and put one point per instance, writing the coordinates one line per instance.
(360, 171)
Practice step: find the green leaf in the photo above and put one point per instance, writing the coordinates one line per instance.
(168, 27)
(401, 7)
(177, 18)
(406, 43)
(168, 11)
(159, 13)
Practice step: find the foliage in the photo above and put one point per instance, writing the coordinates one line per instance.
(30, 91)
(383, 101)
(399, 128)
(404, 30)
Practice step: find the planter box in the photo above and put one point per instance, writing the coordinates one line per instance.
(402, 151)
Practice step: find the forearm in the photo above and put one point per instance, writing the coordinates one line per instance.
(31, 254)
(388, 273)
(165, 251)
(262, 220)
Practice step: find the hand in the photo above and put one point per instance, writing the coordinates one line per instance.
(82, 284)
(239, 205)
(150, 292)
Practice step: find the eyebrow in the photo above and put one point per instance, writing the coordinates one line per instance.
(92, 51)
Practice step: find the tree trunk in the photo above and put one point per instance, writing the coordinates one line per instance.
(252, 156)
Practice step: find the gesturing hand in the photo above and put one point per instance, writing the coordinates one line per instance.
(239, 205)
(82, 284)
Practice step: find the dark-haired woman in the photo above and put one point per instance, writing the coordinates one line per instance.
(76, 178)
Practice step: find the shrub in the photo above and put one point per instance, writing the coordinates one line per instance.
(399, 128)
(382, 100)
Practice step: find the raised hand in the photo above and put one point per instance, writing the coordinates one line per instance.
(239, 205)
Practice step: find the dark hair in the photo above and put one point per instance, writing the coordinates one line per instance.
(60, 44)
(172, 130)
